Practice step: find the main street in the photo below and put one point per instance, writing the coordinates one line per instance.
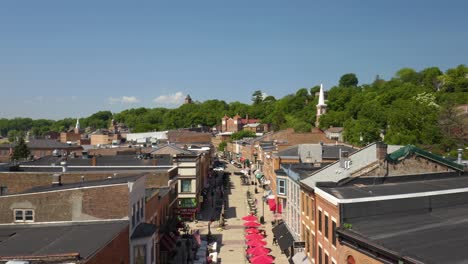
(231, 241)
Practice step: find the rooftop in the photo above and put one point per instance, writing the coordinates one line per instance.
(43, 144)
(65, 186)
(84, 238)
(360, 190)
(437, 236)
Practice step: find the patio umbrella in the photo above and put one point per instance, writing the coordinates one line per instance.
(254, 236)
(255, 243)
(249, 218)
(257, 251)
(251, 224)
(254, 239)
(252, 231)
(262, 259)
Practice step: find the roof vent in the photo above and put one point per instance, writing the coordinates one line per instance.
(56, 180)
(56, 153)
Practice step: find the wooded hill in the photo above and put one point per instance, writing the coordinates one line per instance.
(410, 108)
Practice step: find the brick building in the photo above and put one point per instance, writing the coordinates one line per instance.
(39, 148)
(237, 123)
(193, 166)
(410, 219)
(83, 207)
(321, 216)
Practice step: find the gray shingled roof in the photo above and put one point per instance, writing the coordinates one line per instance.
(49, 239)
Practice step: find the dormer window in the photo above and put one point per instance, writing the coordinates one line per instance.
(24, 215)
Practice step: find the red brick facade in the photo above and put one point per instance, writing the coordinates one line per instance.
(117, 251)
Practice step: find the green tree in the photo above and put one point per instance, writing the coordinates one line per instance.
(257, 97)
(408, 75)
(243, 134)
(21, 150)
(348, 80)
(222, 145)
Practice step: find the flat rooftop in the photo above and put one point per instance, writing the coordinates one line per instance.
(65, 186)
(84, 238)
(437, 236)
(359, 190)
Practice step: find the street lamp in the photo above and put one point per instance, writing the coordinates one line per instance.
(262, 219)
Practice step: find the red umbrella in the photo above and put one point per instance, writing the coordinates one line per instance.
(257, 251)
(249, 218)
(256, 243)
(262, 259)
(251, 224)
(254, 236)
(252, 230)
(254, 239)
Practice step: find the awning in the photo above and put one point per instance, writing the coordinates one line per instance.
(279, 209)
(300, 258)
(283, 236)
(168, 243)
(272, 204)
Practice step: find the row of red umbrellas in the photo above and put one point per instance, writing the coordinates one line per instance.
(259, 254)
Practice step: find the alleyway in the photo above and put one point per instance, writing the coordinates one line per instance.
(231, 241)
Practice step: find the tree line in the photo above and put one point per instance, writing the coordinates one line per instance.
(413, 107)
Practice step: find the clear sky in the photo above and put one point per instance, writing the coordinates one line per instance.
(72, 58)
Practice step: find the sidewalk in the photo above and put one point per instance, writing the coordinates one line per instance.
(231, 242)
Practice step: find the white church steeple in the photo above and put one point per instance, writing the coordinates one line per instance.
(77, 126)
(321, 106)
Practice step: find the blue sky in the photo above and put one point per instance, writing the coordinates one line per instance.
(72, 58)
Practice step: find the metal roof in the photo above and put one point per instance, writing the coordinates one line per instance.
(85, 238)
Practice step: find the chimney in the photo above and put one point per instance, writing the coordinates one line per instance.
(93, 161)
(460, 156)
(56, 180)
(246, 118)
(64, 166)
(381, 150)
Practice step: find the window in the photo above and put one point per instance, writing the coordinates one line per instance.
(138, 211)
(3, 190)
(320, 221)
(24, 215)
(142, 208)
(186, 185)
(313, 247)
(306, 198)
(320, 255)
(307, 240)
(312, 206)
(282, 187)
(334, 233)
(139, 254)
(326, 226)
(133, 216)
(326, 258)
